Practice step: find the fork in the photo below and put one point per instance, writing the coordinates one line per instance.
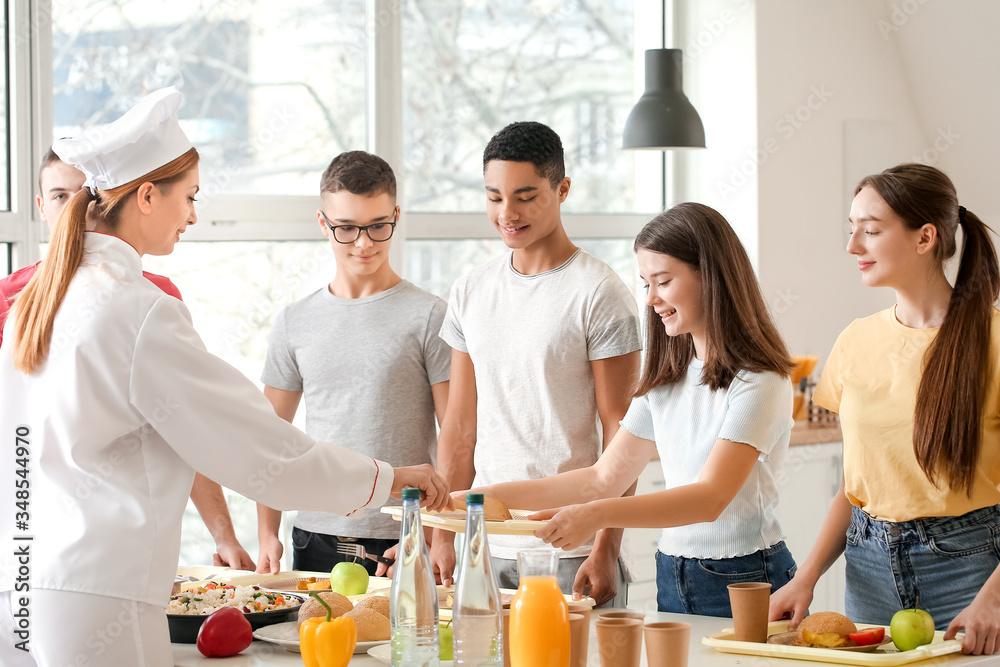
(359, 551)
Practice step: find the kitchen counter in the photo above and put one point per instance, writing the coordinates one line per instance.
(815, 433)
(261, 654)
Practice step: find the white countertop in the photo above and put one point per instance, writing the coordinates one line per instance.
(262, 654)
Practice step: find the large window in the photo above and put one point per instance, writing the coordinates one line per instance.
(472, 67)
(274, 90)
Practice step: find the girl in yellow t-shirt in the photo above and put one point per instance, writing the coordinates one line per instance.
(916, 387)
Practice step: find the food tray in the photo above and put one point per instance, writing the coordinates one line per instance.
(887, 654)
(455, 521)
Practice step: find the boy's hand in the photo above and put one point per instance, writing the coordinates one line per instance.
(387, 570)
(435, 496)
(442, 557)
(269, 555)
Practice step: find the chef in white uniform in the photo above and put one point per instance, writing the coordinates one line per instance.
(115, 403)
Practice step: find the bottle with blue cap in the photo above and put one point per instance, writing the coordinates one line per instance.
(413, 601)
(477, 612)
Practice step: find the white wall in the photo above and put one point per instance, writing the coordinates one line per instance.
(834, 101)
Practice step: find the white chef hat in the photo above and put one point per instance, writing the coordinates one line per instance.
(147, 137)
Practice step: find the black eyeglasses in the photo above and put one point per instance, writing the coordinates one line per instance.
(378, 232)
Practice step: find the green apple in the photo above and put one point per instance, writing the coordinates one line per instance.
(349, 579)
(446, 639)
(911, 628)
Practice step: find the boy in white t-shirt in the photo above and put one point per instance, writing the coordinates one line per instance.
(544, 343)
(365, 353)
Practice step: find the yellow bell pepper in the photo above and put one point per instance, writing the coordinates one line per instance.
(327, 642)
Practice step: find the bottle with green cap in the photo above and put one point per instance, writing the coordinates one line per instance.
(477, 611)
(413, 601)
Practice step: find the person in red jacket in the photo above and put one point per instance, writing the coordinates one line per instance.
(57, 182)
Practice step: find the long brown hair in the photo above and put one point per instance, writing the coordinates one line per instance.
(37, 305)
(947, 432)
(741, 335)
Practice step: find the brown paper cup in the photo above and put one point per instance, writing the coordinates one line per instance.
(750, 608)
(667, 644)
(619, 641)
(580, 608)
(506, 638)
(623, 614)
(579, 639)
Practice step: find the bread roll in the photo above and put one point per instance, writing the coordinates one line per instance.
(372, 626)
(827, 629)
(339, 605)
(493, 509)
(379, 603)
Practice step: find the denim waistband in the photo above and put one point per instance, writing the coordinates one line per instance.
(922, 529)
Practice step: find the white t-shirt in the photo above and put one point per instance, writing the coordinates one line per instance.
(531, 340)
(685, 419)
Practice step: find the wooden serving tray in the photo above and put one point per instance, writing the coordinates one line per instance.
(886, 654)
(455, 521)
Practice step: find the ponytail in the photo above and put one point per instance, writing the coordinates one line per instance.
(947, 426)
(37, 304)
(947, 419)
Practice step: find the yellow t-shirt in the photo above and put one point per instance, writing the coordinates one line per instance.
(871, 380)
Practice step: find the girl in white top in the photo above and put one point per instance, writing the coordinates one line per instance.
(714, 401)
(115, 403)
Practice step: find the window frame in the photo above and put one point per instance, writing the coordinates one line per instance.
(255, 217)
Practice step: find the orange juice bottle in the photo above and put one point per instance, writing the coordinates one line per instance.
(539, 617)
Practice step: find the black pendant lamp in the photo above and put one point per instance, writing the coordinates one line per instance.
(663, 117)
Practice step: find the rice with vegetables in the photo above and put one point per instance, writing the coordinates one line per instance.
(248, 599)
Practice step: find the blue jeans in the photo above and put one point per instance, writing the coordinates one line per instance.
(945, 560)
(698, 585)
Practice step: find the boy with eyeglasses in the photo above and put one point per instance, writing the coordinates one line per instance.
(365, 354)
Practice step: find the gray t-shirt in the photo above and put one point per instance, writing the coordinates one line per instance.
(365, 367)
(531, 340)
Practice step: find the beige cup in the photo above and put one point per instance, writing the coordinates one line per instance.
(667, 644)
(506, 638)
(750, 608)
(619, 641)
(623, 614)
(579, 639)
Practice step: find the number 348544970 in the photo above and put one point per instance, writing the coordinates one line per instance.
(22, 484)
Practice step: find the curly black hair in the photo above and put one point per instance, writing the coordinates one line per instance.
(529, 141)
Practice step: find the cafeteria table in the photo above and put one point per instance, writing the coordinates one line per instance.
(263, 654)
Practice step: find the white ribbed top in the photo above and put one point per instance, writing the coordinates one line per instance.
(685, 419)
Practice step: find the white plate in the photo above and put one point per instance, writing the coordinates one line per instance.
(286, 635)
(383, 654)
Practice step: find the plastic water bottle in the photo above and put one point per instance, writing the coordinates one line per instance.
(413, 601)
(477, 611)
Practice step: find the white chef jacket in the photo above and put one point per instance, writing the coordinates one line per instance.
(126, 407)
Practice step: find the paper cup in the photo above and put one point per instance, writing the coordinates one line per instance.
(579, 639)
(750, 608)
(667, 644)
(623, 614)
(619, 641)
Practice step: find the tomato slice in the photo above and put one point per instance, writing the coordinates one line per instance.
(868, 636)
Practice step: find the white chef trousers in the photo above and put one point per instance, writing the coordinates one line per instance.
(82, 630)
